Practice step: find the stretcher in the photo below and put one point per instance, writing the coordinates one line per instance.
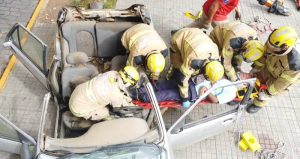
(175, 104)
(242, 91)
(164, 104)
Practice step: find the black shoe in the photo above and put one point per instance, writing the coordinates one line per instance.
(233, 103)
(174, 31)
(252, 108)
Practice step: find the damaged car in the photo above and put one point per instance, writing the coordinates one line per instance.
(138, 133)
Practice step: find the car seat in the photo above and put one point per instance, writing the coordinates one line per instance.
(112, 132)
(78, 72)
(78, 36)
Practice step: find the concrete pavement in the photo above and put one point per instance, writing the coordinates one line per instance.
(278, 122)
(22, 97)
(12, 11)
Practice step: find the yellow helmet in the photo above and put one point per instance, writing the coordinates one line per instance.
(282, 38)
(254, 50)
(130, 75)
(214, 71)
(155, 63)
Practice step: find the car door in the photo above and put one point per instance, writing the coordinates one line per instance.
(16, 141)
(183, 133)
(30, 50)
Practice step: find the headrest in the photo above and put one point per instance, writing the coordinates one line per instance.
(77, 58)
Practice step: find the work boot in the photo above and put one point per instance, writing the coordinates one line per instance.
(75, 123)
(174, 31)
(233, 103)
(252, 108)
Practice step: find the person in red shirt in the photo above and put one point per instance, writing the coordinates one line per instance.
(215, 12)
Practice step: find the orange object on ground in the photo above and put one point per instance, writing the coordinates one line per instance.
(269, 3)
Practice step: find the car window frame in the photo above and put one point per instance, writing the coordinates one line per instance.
(16, 27)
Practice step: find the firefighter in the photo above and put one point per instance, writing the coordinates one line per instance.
(90, 99)
(280, 67)
(192, 51)
(145, 48)
(238, 45)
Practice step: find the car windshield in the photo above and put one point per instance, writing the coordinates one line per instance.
(124, 151)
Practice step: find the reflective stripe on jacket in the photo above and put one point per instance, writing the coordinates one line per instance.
(190, 44)
(284, 69)
(141, 39)
(229, 37)
(92, 97)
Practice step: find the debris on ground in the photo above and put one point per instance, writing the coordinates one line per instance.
(275, 7)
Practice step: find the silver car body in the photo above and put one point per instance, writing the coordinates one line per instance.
(178, 135)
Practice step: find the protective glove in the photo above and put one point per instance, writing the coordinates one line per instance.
(127, 100)
(154, 85)
(233, 78)
(170, 72)
(186, 104)
(263, 95)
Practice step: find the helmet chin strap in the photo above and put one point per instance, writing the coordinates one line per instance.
(126, 84)
(270, 46)
(283, 54)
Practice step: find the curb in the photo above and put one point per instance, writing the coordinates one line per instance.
(12, 60)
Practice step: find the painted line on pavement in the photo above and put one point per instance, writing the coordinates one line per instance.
(12, 60)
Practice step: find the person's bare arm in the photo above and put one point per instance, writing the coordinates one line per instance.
(210, 97)
(212, 10)
(213, 98)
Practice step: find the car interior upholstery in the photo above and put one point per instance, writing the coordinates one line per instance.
(109, 36)
(102, 40)
(79, 36)
(112, 132)
(82, 41)
(78, 72)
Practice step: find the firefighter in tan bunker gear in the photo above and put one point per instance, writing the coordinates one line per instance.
(280, 67)
(146, 48)
(238, 45)
(191, 51)
(89, 100)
